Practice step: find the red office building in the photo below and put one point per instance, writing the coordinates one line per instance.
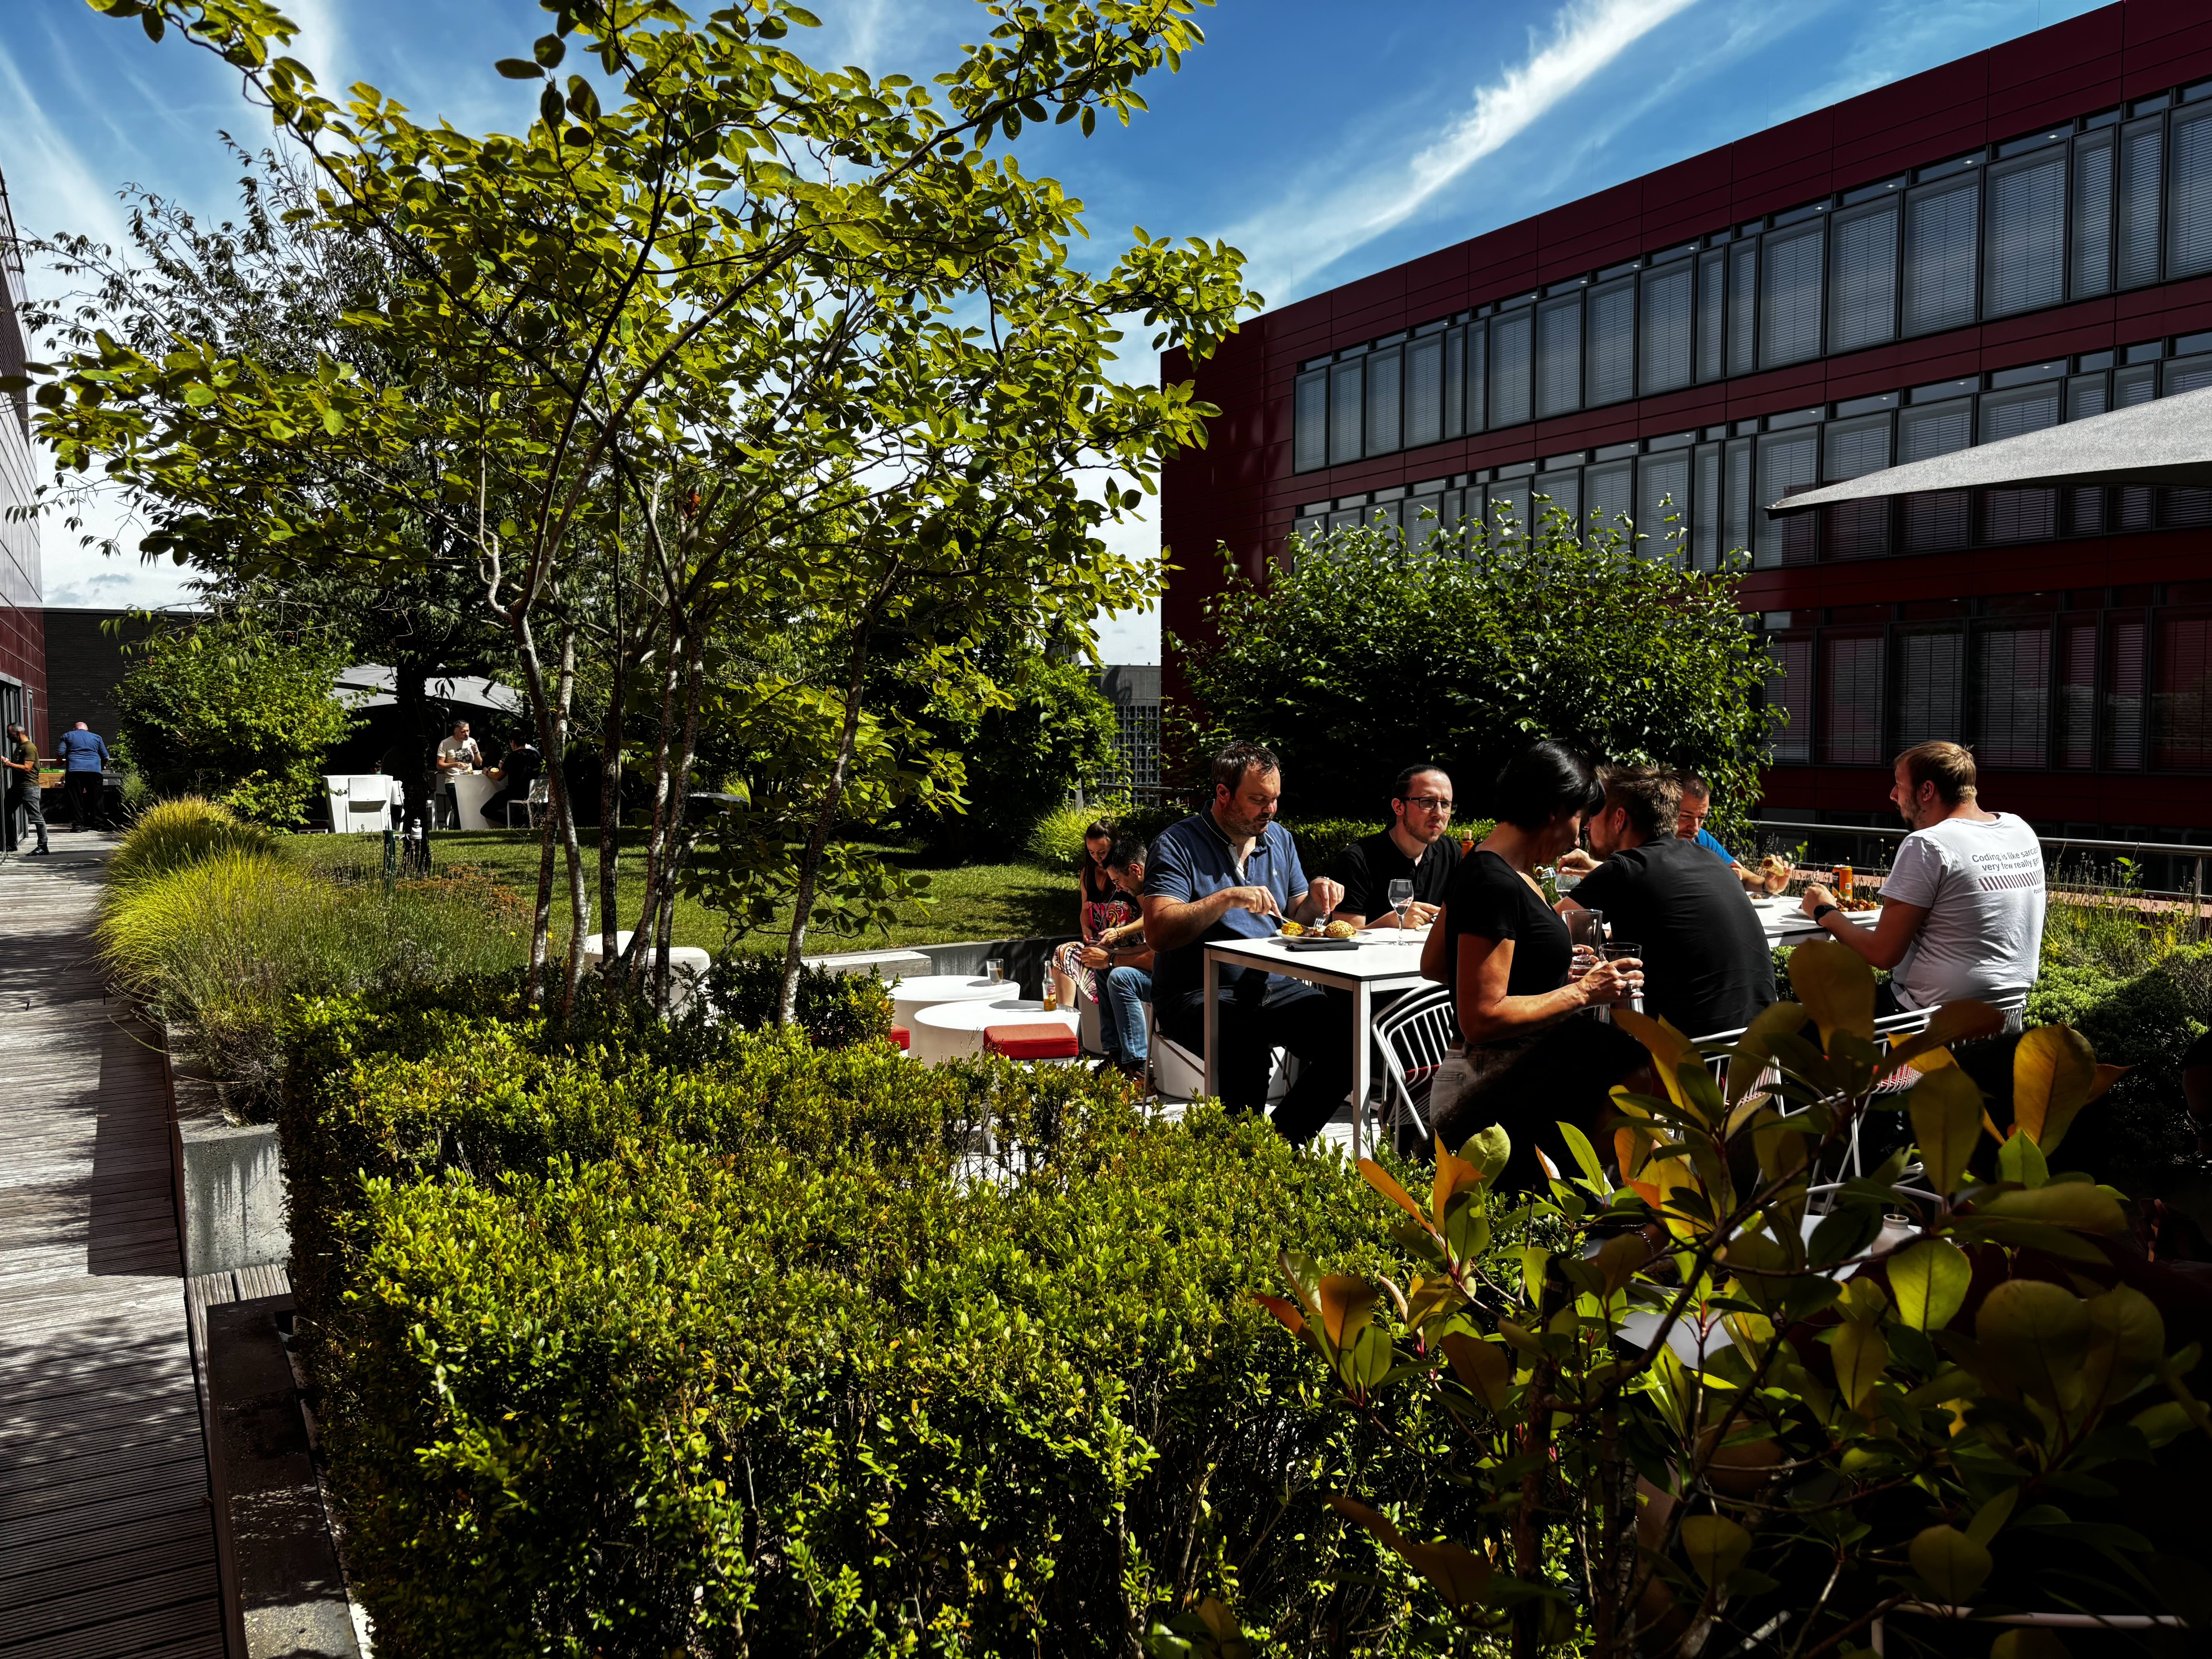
(2014, 240)
(23, 627)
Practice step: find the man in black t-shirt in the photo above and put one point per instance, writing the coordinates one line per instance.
(1414, 848)
(1707, 966)
(515, 774)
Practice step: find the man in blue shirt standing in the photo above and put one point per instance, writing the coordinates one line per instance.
(84, 757)
(1232, 871)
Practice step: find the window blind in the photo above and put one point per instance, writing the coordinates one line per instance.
(1425, 391)
(1510, 339)
(1851, 449)
(1789, 303)
(1789, 701)
(1941, 520)
(1350, 518)
(1665, 337)
(1564, 487)
(2016, 515)
(1786, 459)
(2181, 704)
(2187, 509)
(1862, 277)
(2091, 268)
(1422, 520)
(2074, 744)
(1939, 255)
(1608, 496)
(1742, 308)
(2126, 647)
(2138, 384)
(2086, 395)
(1663, 504)
(1712, 313)
(2135, 202)
(1559, 355)
(1509, 510)
(1477, 378)
(2012, 696)
(1609, 375)
(1384, 380)
(1310, 423)
(2189, 196)
(1454, 388)
(2024, 242)
(1347, 391)
(1931, 685)
(1705, 509)
(1850, 699)
(1736, 516)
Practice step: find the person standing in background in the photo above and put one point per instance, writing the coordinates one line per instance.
(84, 762)
(21, 760)
(456, 754)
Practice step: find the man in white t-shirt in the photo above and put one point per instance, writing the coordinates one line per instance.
(456, 754)
(1962, 907)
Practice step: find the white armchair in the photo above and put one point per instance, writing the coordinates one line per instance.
(361, 805)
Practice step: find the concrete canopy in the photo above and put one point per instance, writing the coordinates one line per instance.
(2167, 440)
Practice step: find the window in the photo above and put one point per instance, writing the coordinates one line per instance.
(1564, 487)
(1742, 308)
(1741, 457)
(1454, 388)
(1350, 518)
(2135, 214)
(2024, 243)
(1610, 372)
(1662, 503)
(1850, 699)
(1705, 509)
(2086, 395)
(1381, 516)
(1931, 685)
(2012, 696)
(1425, 391)
(2092, 215)
(1346, 391)
(1939, 255)
(1310, 423)
(1477, 377)
(1383, 375)
(2137, 384)
(1786, 460)
(1862, 277)
(2126, 647)
(2016, 515)
(2181, 707)
(1666, 360)
(1559, 355)
(1790, 700)
(1851, 449)
(1944, 519)
(2189, 231)
(1423, 519)
(1790, 306)
(1712, 313)
(1510, 339)
(1608, 496)
(2074, 747)
(1509, 510)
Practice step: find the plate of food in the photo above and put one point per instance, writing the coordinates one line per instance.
(1335, 936)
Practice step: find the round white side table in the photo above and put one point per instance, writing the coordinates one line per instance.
(910, 996)
(954, 1031)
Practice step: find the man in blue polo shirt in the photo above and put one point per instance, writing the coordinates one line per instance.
(83, 758)
(1697, 807)
(1232, 871)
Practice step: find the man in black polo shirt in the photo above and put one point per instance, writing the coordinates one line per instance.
(1707, 967)
(1414, 848)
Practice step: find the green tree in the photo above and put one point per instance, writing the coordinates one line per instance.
(1364, 654)
(233, 711)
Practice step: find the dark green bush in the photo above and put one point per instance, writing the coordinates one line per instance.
(2140, 1134)
(835, 1010)
(1320, 839)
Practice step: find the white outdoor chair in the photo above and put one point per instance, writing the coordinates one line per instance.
(530, 808)
(1414, 1036)
(360, 806)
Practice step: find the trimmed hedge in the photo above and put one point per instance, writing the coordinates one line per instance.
(761, 1351)
(2141, 1135)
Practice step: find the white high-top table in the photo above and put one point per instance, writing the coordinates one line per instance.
(919, 991)
(1386, 960)
(1786, 923)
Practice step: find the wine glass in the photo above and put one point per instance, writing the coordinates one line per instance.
(1401, 895)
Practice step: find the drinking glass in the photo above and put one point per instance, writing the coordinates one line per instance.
(1622, 951)
(995, 971)
(1401, 895)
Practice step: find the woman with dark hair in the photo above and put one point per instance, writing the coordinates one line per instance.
(1105, 917)
(1509, 958)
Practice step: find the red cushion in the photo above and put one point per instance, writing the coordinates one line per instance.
(901, 1035)
(1043, 1042)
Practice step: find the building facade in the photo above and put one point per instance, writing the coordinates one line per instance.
(2015, 239)
(22, 631)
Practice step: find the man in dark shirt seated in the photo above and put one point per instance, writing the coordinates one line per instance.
(515, 774)
(1414, 848)
(1231, 871)
(1707, 966)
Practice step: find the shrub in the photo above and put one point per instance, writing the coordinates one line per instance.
(1320, 839)
(171, 834)
(835, 1010)
(1056, 840)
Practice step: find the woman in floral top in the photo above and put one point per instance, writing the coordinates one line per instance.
(1106, 919)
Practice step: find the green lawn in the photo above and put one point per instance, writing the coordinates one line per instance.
(967, 901)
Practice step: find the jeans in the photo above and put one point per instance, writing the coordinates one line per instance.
(84, 791)
(1123, 995)
(34, 812)
(1253, 1024)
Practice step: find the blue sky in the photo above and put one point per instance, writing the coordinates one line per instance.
(1325, 140)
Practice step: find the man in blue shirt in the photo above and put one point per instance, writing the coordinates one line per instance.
(1232, 871)
(1697, 807)
(84, 757)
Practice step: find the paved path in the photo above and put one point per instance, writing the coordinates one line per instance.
(106, 1537)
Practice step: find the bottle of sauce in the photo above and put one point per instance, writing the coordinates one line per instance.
(1844, 878)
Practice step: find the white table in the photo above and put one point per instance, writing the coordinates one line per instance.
(470, 790)
(1386, 960)
(911, 995)
(1786, 923)
(954, 1031)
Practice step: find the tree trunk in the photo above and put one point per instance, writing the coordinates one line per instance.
(818, 840)
(578, 908)
(417, 767)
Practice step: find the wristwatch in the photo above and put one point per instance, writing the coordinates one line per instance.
(1820, 912)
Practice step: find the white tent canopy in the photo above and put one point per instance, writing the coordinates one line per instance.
(2167, 441)
(370, 685)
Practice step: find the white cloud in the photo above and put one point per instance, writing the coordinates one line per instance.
(50, 185)
(1302, 235)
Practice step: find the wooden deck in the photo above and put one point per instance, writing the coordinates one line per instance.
(107, 1542)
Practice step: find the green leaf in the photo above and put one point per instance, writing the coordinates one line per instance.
(517, 69)
(1929, 1280)
(1585, 1154)
(1953, 1565)
(548, 49)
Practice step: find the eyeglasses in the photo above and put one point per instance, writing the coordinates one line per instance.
(1434, 803)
